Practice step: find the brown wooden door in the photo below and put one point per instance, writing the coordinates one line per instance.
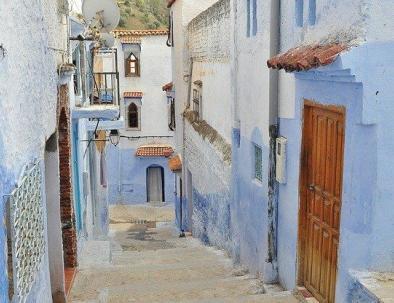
(321, 191)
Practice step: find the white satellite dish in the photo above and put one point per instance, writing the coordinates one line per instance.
(102, 14)
(107, 39)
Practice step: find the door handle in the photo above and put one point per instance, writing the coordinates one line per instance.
(311, 187)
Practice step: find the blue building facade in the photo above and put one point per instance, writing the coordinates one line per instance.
(343, 65)
(128, 182)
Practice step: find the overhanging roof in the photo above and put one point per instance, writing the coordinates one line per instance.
(303, 58)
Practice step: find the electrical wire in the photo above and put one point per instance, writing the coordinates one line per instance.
(91, 139)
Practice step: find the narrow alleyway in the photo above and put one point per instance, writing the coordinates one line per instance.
(147, 262)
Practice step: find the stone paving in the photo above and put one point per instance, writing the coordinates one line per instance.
(148, 262)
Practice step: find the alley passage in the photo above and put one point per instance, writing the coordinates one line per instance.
(148, 262)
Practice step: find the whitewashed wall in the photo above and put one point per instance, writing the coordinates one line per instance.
(33, 35)
(155, 71)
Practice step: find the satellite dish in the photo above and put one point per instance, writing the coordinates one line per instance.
(107, 39)
(102, 14)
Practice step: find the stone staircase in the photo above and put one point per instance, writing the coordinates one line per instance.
(177, 270)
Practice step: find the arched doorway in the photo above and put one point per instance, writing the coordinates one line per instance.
(155, 184)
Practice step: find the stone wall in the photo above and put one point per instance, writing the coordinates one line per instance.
(209, 34)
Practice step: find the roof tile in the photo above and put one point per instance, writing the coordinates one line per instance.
(138, 33)
(307, 57)
(168, 86)
(155, 150)
(133, 94)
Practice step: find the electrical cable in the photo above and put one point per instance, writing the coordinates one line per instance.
(91, 139)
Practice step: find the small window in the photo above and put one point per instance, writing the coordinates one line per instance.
(299, 13)
(133, 116)
(132, 66)
(197, 98)
(251, 17)
(197, 101)
(312, 12)
(171, 122)
(258, 163)
(77, 78)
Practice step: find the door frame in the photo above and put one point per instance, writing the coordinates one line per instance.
(301, 241)
(162, 182)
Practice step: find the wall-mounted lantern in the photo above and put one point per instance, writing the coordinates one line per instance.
(114, 137)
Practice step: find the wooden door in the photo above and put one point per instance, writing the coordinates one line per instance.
(321, 191)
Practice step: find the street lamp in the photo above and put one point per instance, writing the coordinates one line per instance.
(114, 137)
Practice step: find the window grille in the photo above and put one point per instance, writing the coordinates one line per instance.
(258, 163)
(196, 101)
(27, 231)
(133, 116)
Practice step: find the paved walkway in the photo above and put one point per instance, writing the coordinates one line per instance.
(148, 263)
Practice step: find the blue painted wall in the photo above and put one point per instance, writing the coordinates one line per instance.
(367, 219)
(6, 187)
(132, 175)
(250, 203)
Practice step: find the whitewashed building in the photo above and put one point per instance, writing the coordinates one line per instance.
(137, 168)
(288, 171)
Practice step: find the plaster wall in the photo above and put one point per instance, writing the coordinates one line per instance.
(183, 12)
(155, 62)
(211, 196)
(365, 91)
(127, 176)
(207, 167)
(55, 243)
(251, 128)
(368, 186)
(126, 172)
(28, 94)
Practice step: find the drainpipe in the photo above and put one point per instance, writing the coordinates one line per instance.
(273, 133)
(190, 76)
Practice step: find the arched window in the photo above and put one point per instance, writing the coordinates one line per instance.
(132, 68)
(133, 116)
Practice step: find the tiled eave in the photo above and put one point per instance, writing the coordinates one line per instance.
(139, 33)
(304, 58)
(133, 95)
(155, 150)
(168, 87)
(107, 112)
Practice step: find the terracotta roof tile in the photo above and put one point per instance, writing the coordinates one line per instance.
(138, 33)
(130, 39)
(168, 86)
(307, 57)
(133, 94)
(175, 163)
(155, 150)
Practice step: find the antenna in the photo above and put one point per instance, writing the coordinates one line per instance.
(101, 14)
(108, 40)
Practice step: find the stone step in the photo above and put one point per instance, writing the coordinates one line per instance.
(175, 260)
(182, 290)
(89, 281)
(168, 256)
(285, 297)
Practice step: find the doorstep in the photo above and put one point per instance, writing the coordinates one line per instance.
(305, 296)
(69, 276)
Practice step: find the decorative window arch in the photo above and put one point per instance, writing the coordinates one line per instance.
(133, 115)
(132, 66)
